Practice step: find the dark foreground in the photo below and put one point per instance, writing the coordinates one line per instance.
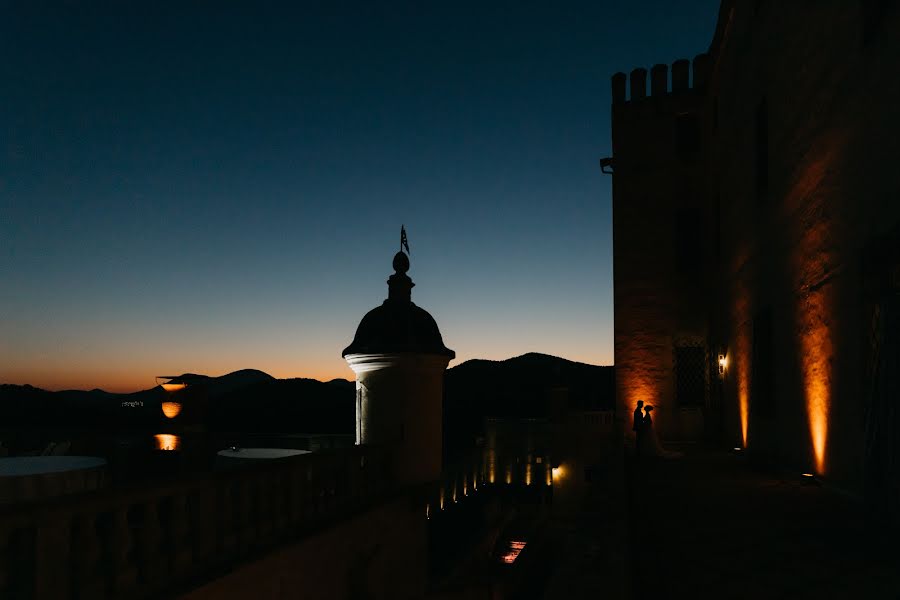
(710, 526)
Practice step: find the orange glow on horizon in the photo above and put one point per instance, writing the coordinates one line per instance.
(52, 377)
(112, 369)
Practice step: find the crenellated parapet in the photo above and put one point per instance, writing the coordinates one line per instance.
(686, 77)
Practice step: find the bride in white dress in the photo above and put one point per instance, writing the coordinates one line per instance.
(648, 441)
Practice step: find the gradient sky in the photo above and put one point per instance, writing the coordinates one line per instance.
(208, 186)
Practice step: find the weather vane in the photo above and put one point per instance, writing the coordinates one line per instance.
(403, 241)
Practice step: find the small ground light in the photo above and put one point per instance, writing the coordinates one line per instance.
(515, 548)
(809, 479)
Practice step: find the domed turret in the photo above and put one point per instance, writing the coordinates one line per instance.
(398, 325)
(399, 358)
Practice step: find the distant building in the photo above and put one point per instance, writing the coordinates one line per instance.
(756, 217)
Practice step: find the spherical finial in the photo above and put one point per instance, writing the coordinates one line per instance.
(401, 262)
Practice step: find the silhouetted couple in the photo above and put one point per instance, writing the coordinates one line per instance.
(646, 440)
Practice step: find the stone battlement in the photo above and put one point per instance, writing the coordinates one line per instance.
(686, 77)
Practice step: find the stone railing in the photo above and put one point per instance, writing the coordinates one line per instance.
(153, 540)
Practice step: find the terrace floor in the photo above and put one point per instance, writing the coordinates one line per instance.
(708, 525)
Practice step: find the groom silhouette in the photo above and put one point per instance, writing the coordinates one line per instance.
(638, 424)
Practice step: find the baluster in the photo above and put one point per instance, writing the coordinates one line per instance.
(247, 524)
(87, 577)
(150, 551)
(11, 580)
(331, 488)
(281, 498)
(264, 506)
(204, 537)
(121, 552)
(5, 558)
(358, 469)
(312, 491)
(52, 553)
(348, 466)
(181, 542)
(229, 500)
(298, 497)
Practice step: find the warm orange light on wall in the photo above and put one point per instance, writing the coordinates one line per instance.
(817, 351)
(549, 475)
(742, 365)
(558, 473)
(492, 458)
(818, 242)
(641, 390)
(171, 409)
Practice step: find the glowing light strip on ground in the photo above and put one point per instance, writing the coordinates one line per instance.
(515, 548)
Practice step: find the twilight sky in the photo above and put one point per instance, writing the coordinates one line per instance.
(208, 186)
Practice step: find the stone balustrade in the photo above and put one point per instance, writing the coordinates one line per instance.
(156, 539)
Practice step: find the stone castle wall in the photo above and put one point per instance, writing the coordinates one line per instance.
(794, 180)
(815, 79)
(659, 196)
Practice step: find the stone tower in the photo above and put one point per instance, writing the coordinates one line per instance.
(663, 224)
(399, 359)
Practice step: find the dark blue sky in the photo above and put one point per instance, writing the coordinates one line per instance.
(217, 185)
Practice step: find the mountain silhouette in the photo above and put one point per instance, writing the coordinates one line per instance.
(527, 386)
(531, 386)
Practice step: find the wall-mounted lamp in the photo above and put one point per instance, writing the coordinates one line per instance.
(606, 165)
(723, 362)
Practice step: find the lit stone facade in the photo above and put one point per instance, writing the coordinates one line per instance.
(756, 214)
